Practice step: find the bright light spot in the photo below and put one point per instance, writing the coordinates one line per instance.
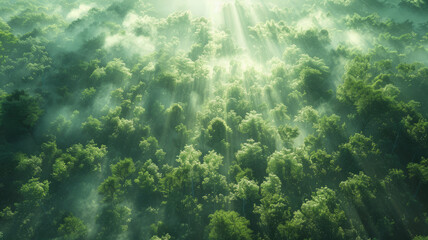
(317, 19)
(217, 5)
(131, 43)
(355, 38)
(323, 20)
(305, 23)
(78, 12)
(112, 40)
(130, 20)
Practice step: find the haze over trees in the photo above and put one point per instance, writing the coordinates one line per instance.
(213, 119)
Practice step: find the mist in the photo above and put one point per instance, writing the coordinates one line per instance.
(213, 119)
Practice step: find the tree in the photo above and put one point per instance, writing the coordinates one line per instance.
(252, 156)
(214, 183)
(149, 147)
(419, 170)
(123, 169)
(256, 128)
(313, 83)
(280, 113)
(34, 191)
(288, 134)
(228, 225)
(7, 42)
(217, 134)
(416, 4)
(88, 96)
(188, 176)
(359, 189)
(360, 153)
(92, 127)
(236, 101)
(368, 101)
(167, 81)
(111, 189)
(116, 71)
(175, 115)
(324, 166)
(78, 159)
(72, 228)
(288, 167)
(420, 238)
(247, 190)
(318, 218)
(274, 207)
(329, 127)
(308, 116)
(19, 114)
(363, 193)
(29, 166)
(149, 178)
(115, 185)
(113, 220)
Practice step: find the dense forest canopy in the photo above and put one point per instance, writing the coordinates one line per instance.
(213, 119)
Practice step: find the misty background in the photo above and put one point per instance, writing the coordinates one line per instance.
(213, 119)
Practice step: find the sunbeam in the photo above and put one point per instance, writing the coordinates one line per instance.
(213, 119)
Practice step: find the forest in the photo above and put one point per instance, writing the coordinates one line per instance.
(213, 119)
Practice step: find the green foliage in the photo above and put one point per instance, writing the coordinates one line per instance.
(252, 156)
(217, 133)
(167, 81)
(360, 153)
(116, 71)
(87, 95)
(111, 188)
(286, 165)
(149, 148)
(214, 182)
(247, 189)
(319, 218)
(288, 134)
(274, 207)
(419, 170)
(256, 128)
(418, 131)
(307, 115)
(175, 115)
(420, 238)
(29, 166)
(418, 4)
(366, 99)
(28, 20)
(358, 188)
(123, 169)
(72, 228)
(324, 165)
(19, 113)
(165, 237)
(228, 225)
(114, 186)
(60, 126)
(78, 159)
(314, 84)
(222, 120)
(280, 113)
(34, 191)
(114, 219)
(92, 126)
(149, 177)
(7, 42)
